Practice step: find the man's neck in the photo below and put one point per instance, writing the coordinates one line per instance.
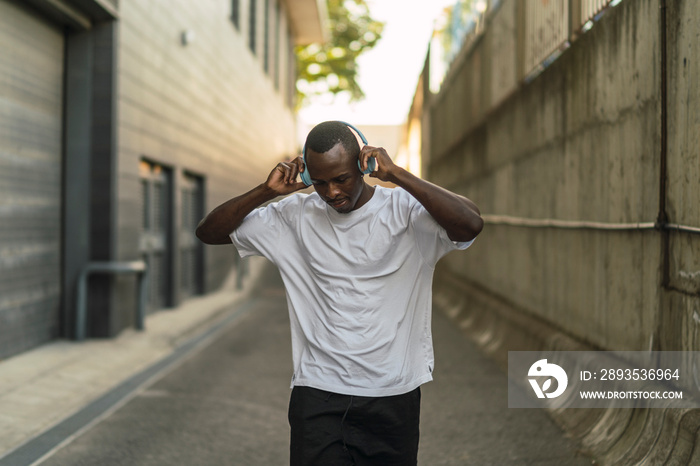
(367, 193)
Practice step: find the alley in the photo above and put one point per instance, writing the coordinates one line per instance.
(226, 405)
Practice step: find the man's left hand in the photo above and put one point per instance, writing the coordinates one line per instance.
(385, 169)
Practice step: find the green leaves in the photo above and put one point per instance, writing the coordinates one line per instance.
(331, 67)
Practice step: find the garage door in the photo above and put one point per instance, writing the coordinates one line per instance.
(31, 90)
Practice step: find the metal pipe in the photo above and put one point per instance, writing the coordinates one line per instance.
(662, 217)
(584, 225)
(137, 267)
(569, 224)
(683, 228)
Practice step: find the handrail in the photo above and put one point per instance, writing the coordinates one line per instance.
(138, 267)
(557, 223)
(583, 225)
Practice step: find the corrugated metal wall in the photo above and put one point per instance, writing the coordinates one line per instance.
(31, 107)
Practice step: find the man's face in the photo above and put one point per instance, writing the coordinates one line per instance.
(336, 178)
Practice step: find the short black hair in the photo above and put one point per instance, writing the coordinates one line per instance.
(324, 136)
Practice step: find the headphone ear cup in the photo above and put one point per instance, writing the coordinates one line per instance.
(371, 166)
(305, 177)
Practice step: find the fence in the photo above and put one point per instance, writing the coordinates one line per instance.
(528, 35)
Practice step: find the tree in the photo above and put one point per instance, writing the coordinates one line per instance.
(331, 66)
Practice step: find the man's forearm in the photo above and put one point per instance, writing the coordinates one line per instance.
(459, 216)
(216, 227)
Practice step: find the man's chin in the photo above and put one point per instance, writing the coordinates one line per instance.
(342, 208)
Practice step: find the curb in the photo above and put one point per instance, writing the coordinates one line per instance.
(43, 387)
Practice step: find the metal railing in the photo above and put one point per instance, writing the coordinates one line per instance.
(546, 31)
(495, 219)
(590, 8)
(134, 267)
(546, 28)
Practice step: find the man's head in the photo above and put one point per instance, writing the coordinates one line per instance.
(324, 136)
(331, 153)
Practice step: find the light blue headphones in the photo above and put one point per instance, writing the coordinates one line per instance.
(371, 163)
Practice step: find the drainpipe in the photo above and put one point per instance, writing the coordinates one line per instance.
(662, 218)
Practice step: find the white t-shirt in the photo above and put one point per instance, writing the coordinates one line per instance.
(359, 288)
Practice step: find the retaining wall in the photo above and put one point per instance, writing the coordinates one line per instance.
(605, 137)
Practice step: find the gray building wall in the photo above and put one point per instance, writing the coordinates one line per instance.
(31, 124)
(206, 108)
(49, 90)
(150, 114)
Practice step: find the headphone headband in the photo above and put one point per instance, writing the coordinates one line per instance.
(359, 133)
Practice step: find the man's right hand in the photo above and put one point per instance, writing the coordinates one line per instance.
(216, 227)
(283, 178)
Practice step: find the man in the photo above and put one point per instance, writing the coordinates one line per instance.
(357, 263)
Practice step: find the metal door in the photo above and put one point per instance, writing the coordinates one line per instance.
(155, 238)
(31, 125)
(190, 248)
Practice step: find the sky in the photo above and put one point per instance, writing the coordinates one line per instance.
(388, 74)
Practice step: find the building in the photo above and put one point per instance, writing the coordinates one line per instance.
(121, 123)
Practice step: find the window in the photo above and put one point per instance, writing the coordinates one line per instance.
(276, 47)
(252, 30)
(291, 75)
(236, 13)
(266, 36)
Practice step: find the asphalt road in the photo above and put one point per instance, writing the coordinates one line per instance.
(226, 404)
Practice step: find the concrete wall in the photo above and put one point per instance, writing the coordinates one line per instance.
(680, 309)
(580, 142)
(591, 139)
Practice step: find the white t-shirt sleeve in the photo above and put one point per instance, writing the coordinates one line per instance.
(432, 240)
(260, 232)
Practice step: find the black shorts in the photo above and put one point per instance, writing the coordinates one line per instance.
(329, 429)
